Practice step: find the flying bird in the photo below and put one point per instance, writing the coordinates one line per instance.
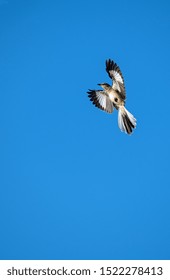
(114, 97)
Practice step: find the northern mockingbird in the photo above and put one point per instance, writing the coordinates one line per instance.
(114, 97)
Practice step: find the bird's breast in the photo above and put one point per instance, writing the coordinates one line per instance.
(112, 96)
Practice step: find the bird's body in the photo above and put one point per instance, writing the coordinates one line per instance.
(114, 97)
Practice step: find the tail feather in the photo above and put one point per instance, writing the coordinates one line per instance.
(126, 120)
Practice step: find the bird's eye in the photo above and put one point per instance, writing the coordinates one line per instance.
(116, 99)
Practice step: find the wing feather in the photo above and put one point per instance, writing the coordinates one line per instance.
(115, 74)
(101, 100)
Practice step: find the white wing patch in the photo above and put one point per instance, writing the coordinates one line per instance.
(118, 77)
(101, 100)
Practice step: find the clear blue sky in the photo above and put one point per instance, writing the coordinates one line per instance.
(72, 185)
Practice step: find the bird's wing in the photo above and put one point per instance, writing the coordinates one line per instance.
(101, 100)
(115, 74)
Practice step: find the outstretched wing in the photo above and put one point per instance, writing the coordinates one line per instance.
(101, 100)
(115, 74)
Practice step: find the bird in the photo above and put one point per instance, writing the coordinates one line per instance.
(113, 97)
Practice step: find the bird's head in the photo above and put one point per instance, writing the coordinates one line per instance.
(104, 86)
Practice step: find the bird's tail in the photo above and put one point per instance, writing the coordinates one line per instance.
(126, 120)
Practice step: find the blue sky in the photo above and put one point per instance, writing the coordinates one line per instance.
(72, 185)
